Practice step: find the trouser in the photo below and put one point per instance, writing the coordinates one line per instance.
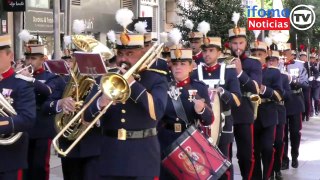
(263, 150)
(278, 146)
(226, 150)
(80, 168)
(38, 159)
(243, 134)
(10, 175)
(306, 95)
(315, 98)
(294, 125)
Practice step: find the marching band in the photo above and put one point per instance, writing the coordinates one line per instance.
(141, 110)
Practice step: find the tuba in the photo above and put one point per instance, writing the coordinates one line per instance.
(79, 87)
(6, 110)
(116, 87)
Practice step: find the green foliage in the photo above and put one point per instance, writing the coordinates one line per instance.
(313, 33)
(217, 13)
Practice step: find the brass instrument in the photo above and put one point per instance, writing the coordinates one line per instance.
(114, 86)
(255, 101)
(89, 44)
(79, 87)
(6, 110)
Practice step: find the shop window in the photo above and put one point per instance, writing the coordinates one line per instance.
(44, 4)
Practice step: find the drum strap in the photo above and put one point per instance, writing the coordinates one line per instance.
(178, 107)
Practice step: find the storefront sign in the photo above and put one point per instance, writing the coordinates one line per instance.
(14, 5)
(149, 2)
(41, 21)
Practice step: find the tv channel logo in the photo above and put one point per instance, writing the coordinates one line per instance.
(302, 17)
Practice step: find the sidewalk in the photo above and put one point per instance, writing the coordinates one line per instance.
(309, 158)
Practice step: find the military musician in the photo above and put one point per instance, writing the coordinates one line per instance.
(294, 106)
(267, 117)
(130, 147)
(41, 134)
(220, 77)
(19, 94)
(249, 72)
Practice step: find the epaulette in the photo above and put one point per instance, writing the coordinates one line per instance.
(253, 57)
(230, 66)
(163, 59)
(157, 71)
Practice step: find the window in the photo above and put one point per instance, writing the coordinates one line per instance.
(44, 4)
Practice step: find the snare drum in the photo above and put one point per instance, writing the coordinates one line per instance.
(192, 156)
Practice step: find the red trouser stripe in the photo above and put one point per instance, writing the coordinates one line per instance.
(252, 150)
(47, 162)
(272, 159)
(20, 174)
(228, 173)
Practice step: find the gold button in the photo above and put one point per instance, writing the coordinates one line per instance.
(123, 111)
(123, 120)
(209, 74)
(177, 119)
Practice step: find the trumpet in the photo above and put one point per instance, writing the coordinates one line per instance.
(116, 87)
(6, 110)
(29, 68)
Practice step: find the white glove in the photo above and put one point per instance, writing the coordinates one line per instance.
(29, 79)
(311, 78)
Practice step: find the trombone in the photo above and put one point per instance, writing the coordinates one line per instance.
(116, 87)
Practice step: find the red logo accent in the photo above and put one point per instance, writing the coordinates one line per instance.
(268, 24)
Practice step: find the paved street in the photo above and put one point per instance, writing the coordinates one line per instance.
(309, 159)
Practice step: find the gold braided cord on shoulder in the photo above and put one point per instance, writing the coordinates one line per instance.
(157, 71)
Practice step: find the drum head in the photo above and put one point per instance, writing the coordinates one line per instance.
(216, 125)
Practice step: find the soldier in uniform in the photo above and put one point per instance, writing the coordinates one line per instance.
(20, 95)
(307, 89)
(223, 77)
(173, 124)
(130, 147)
(314, 84)
(249, 74)
(82, 161)
(264, 125)
(40, 135)
(295, 107)
(278, 143)
(196, 40)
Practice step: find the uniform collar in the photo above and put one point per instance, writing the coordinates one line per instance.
(211, 68)
(199, 55)
(39, 71)
(264, 66)
(7, 74)
(289, 62)
(243, 56)
(184, 82)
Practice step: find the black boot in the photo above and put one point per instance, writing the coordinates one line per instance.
(285, 165)
(295, 163)
(278, 175)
